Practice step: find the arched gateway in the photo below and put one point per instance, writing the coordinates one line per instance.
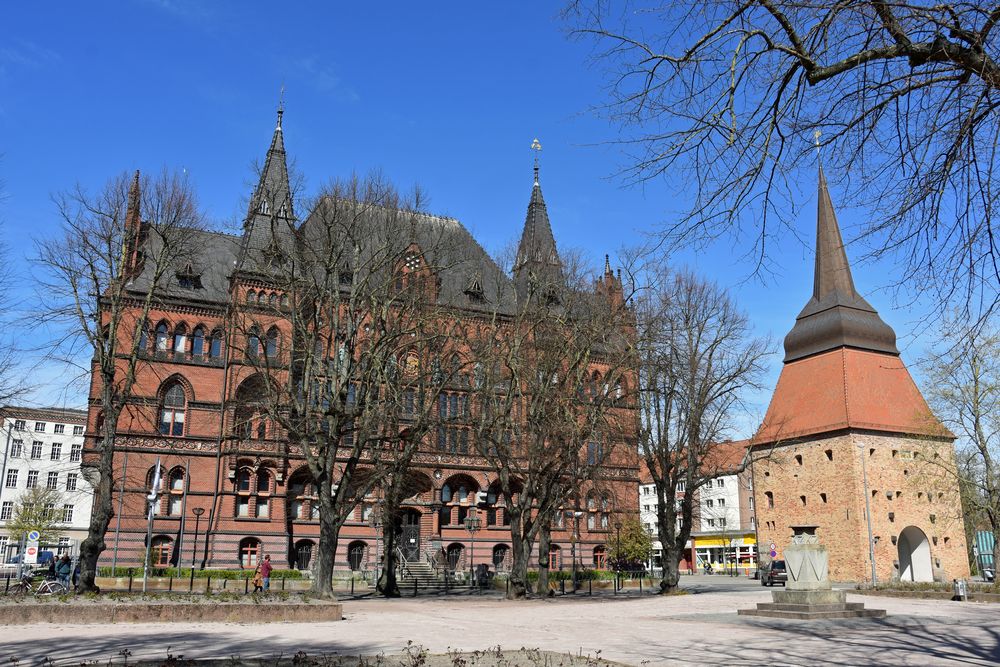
(914, 555)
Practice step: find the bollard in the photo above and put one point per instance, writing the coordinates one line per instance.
(508, 584)
(640, 585)
(170, 584)
(590, 586)
(130, 580)
(191, 585)
(246, 585)
(562, 586)
(6, 588)
(414, 588)
(208, 585)
(282, 583)
(352, 585)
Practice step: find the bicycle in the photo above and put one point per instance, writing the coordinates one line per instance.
(47, 587)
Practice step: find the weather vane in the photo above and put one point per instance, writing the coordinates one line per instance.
(281, 103)
(537, 147)
(816, 135)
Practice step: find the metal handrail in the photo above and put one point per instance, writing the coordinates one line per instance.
(401, 562)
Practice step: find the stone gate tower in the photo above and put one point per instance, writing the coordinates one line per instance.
(848, 442)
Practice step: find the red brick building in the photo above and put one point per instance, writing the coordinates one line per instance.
(231, 495)
(848, 443)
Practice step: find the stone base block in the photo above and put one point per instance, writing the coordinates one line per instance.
(812, 605)
(828, 596)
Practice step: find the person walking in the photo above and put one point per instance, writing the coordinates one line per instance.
(63, 570)
(258, 580)
(265, 572)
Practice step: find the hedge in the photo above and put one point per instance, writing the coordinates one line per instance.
(185, 573)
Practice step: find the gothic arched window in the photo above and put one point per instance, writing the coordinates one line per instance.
(161, 337)
(198, 342)
(172, 412)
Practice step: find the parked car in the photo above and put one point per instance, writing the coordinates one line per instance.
(774, 573)
(989, 575)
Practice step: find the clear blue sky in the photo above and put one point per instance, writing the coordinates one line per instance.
(447, 95)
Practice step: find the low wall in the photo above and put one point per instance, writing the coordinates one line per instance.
(926, 595)
(151, 612)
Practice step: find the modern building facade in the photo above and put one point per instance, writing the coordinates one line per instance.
(232, 494)
(848, 443)
(724, 535)
(43, 449)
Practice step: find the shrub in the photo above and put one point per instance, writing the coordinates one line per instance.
(185, 573)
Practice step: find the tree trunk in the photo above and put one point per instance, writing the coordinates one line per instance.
(520, 554)
(327, 552)
(387, 584)
(670, 579)
(102, 511)
(544, 541)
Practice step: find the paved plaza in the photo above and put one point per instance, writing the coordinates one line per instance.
(701, 628)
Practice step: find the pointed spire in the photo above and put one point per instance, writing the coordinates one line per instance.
(607, 266)
(836, 315)
(271, 214)
(536, 252)
(833, 272)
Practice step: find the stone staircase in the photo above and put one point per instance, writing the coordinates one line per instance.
(420, 578)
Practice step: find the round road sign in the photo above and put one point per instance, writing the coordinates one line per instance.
(33, 536)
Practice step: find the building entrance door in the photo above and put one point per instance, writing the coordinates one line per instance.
(409, 534)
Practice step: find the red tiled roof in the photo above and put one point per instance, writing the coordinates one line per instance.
(721, 458)
(846, 388)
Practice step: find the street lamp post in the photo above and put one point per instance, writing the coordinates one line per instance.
(472, 524)
(198, 511)
(574, 538)
(618, 556)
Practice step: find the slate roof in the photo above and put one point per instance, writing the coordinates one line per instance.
(212, 257)
(836, 314)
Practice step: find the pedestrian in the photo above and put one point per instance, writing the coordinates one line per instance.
(258, 580)
(76, 575)
(265, 572)
(63, 570)
(51, 573)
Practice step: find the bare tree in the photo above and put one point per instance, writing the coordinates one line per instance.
(697, 359)
(99, 281)
(542, 420)
(37, 509)
(963, 388)
(343, 363)
(725, 97)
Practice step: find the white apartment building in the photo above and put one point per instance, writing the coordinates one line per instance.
(724, 531)
(43, 448)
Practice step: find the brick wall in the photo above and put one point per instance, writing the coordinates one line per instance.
(821, 482)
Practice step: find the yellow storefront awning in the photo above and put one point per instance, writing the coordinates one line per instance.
(716, 541)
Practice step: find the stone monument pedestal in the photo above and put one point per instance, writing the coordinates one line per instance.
(808, 594)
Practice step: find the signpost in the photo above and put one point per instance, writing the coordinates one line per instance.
(774, 549)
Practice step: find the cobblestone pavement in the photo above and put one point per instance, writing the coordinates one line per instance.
(700, 628)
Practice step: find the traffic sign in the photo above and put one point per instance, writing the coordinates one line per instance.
(773, 553)
(34, 536)
(773, 546)
(31, 553)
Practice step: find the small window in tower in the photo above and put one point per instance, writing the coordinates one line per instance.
(871, 452)
(822, 497)
(895, 453)
(829, 455)
(802, 499)
(770, 499)
(798, 459)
